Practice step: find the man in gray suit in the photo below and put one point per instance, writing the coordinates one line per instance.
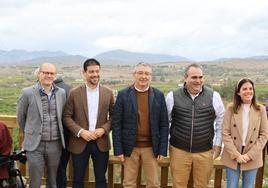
(39, 112)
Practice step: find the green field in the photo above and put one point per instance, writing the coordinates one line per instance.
(165, 77)
(10, 95)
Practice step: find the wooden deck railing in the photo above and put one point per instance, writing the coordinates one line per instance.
(10, 121)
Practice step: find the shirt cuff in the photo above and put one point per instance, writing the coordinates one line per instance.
(217, 142)
(78, 134)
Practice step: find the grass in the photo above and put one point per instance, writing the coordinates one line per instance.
(15, 138)
(165, 78)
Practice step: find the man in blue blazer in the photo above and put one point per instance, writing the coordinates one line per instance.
(39, 112)
(140, 128)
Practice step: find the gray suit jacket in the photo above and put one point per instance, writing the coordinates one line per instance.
(30, 115)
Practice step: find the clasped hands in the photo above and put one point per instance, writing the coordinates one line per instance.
(90, 135)
(242, 158)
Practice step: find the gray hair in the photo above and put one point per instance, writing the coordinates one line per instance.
(141, 64)
(195, 65)
(36, 71)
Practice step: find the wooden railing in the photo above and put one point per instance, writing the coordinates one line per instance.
(10, 121)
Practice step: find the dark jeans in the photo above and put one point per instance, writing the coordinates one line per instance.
(61, 174)
(80, 163)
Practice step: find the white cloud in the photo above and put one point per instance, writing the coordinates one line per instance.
(199, 30)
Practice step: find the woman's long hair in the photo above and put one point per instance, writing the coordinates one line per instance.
(237, 99)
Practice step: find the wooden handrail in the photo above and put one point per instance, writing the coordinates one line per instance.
(164, 166)
(11, 123)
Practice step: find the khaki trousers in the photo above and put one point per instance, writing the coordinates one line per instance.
(182, 162)
(149, 164)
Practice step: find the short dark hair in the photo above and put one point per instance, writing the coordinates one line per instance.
(90, 62)
(237, 101)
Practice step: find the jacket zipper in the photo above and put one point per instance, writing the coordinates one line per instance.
(192, 129)
(50, 123)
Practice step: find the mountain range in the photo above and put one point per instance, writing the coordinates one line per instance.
(110, 57)
(23, 57)
(134, 57)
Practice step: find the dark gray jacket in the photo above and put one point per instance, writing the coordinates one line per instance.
(192, 126)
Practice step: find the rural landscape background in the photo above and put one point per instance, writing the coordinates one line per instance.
(228, 38)
(116, 72)
(17, 71)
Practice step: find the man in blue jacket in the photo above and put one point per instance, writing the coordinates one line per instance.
(140, 128)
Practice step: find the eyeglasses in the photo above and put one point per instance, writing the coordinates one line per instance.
(197, 77)
(48, 73)
(140, 73)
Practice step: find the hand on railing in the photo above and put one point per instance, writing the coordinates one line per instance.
(216, 151)
(159, 157)
(121, 158)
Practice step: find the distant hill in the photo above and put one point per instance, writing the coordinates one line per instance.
(67, 59)
(15, 56)
(109, 57)
(23, 57)
(253, 58)
(260, 57)
(122, 56)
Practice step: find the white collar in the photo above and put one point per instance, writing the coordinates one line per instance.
(95, 89)
(144, 90)
(192, 95)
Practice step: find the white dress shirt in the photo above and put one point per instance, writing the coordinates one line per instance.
(219, 111)
(92, 106)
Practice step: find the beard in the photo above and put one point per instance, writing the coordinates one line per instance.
(94, 80)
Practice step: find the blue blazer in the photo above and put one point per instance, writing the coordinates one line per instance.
(125, 122)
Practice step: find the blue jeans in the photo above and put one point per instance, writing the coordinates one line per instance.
(100, 162)
(248, 177)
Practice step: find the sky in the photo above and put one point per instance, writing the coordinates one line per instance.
(196, 29)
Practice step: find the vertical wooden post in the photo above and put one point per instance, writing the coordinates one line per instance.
(70, 172)
(111, 176)
(259, 176)
(164, 177)
(217, 178)
(22, 167)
